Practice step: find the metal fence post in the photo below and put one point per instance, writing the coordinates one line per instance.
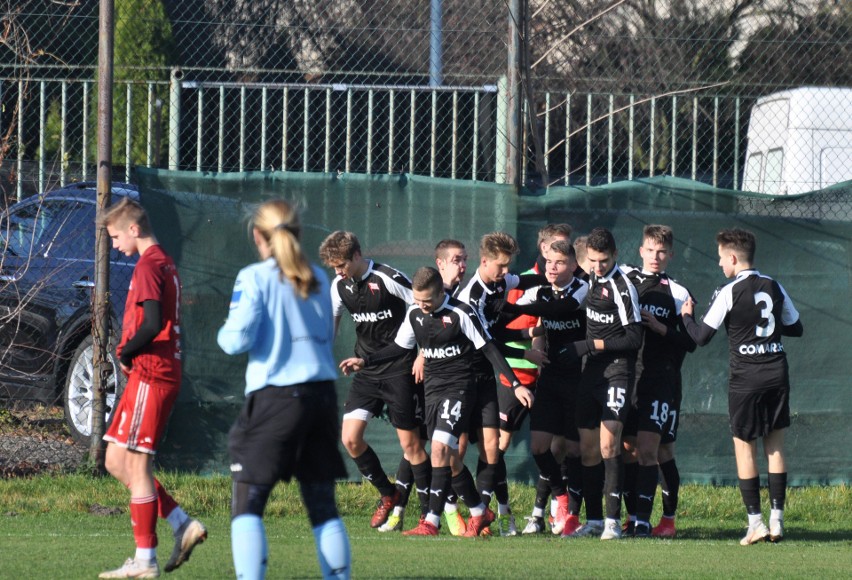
(174, 118)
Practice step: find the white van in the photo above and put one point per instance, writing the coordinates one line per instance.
(799, 140)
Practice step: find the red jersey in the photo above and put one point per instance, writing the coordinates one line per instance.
(155, 277)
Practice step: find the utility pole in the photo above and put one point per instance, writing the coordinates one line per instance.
(100, 320)
(514, 109)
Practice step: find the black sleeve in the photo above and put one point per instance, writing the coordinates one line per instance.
(631, 340)
(679, 337)
(492, 353)
(527, 281)
(152, 324)
(385, 354)
(555, 308)
(700, 333)
(509, 351)
(795, 329)
(574, 351)
(503, 334)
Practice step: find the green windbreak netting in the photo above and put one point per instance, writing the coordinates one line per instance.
(803, 241)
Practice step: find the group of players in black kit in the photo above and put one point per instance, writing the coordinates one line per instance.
(596, 350)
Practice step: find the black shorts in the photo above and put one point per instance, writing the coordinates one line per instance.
(605, 392)
(654, 409)
(755, 414)
(554, 410)
(670, 435)
(403, 397)
(283, 432)
(512, 412)
(448, 413)
(485, 409)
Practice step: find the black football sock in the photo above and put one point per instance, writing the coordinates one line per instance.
(750, 492)
(501, 484)
(465, 488)
(646, 488)
(441, 477)
(593, 482)
(573, 469)
(404, 479)
(628, 492)
(670, 485)
(612, 486)
(371, 468)
(422, 480)
(550, 469)
(485, 482)
(542, 492)
(777, 490)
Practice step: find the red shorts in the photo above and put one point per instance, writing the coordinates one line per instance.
(140, 417)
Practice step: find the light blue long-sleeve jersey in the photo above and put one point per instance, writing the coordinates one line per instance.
(289, 340)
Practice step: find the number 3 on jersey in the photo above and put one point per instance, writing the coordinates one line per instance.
(765, 313)
(454, 413)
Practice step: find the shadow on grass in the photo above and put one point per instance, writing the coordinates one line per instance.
(791, 534)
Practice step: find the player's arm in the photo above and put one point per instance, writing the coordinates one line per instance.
(552, 309)
(791, 324)
(336, 325)
(152, 324)
(526, 281)
(401, 345)
(700, 333)
(239, 332)
(795, 330)
(501, 367)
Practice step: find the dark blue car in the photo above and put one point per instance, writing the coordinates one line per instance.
(46, 289)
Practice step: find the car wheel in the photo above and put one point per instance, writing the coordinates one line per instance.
(79, 390)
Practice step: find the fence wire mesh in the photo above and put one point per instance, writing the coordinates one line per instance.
(740, 94)
(557, 92)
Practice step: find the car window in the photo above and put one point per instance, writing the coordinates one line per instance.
(56, 228)
(74, 234)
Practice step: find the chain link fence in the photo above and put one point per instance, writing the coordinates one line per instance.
(525, 92)
(739, 94)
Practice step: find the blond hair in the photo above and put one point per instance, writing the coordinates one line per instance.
(495, 244)
(278, 222)
(125, 213)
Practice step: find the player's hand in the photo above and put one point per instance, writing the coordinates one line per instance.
(537, 331)
(688, 307)
(650, 322)
(351, 365)
(525, 396)
(125, 369)
(417, 368)
(537, 357)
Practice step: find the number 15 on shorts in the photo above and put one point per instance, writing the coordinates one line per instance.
(615, 398)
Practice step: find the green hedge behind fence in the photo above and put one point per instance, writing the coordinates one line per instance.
(803, 241)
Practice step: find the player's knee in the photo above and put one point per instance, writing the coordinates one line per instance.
(249, 498)
(647, 456)
(319, 501)
(355, 446)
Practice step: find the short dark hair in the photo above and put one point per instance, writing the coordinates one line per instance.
(427, 278)
(741, 242)
(660, 234)
(601, 240)
(551, 230)
(444, 245)
(565, 248)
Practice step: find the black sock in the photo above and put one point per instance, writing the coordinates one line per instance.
(423, 482)
(750, 491)
(572, 474)
(670, 485)
(777, 490)
(593, 482)
(548, 467)
(501, 484)
(485, 482)
(441, 477)
(612, 486)
(371, 468)
(646, 489)
(465, 488)
(628, 492)
(542, 492)
(404, 479)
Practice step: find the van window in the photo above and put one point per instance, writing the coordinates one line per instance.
(773, 172)
(751, 178)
